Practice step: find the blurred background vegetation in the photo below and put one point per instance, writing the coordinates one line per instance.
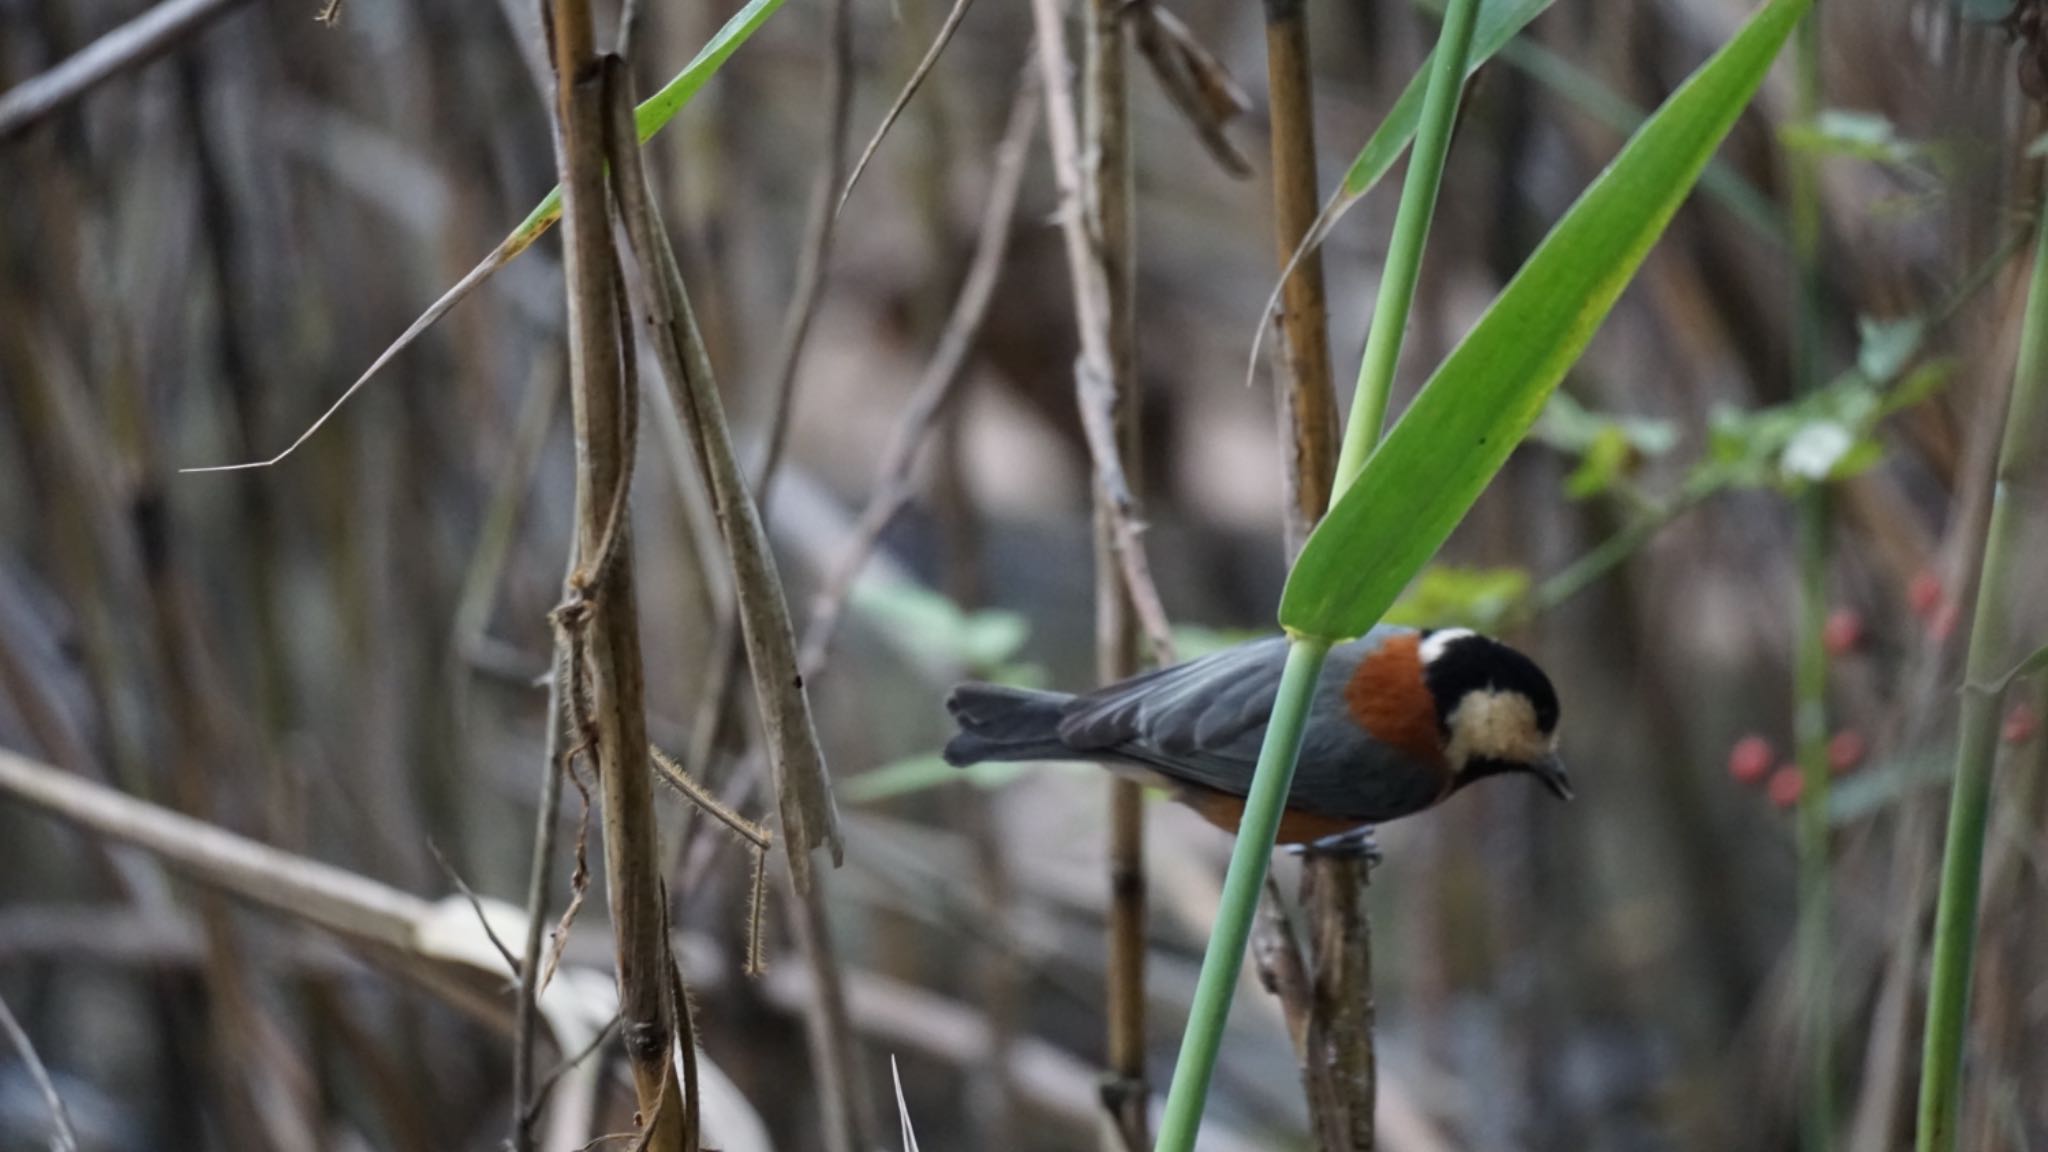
(340, 656)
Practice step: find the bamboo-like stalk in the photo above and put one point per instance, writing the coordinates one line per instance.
(1274, 773)
(804, 798)
(600, 407)
(1955, 924)
(1307, 394)
(1335, 1043)
(1107, 194)
(1810, 678)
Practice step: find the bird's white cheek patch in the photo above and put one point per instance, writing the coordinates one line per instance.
(1496, 726)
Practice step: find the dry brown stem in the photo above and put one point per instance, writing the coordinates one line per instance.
(601, 604)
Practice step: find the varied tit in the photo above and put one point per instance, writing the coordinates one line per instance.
(1400, 720)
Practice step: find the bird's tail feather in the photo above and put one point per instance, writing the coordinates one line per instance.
(1001, 723)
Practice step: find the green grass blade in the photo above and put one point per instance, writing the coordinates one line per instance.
(1487, 393)
(654, 113)
(650, 117)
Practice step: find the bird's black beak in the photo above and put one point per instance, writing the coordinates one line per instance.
(1551, 771)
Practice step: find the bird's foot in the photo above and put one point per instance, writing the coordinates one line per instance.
(1357, 844)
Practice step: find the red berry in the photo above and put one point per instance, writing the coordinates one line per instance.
(1846, 750)
(1786, 785)
(1750, 760)
(1843, 633)
(1942, 624)
(2021, 724)
(1924, 593)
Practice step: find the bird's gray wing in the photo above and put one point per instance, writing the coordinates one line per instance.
(1203, 722)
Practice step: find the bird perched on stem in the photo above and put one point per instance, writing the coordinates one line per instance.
(1401, 719)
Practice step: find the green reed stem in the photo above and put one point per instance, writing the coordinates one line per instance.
(1248, 857)
(1404, 252)
(1955, 922)
(1274, 774)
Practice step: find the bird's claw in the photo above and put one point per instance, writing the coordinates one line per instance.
(1357, 844)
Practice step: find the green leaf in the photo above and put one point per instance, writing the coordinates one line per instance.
(1568, 426)
(1487, 393)
(1884, 347)
(934, 628)
(1920, 384)
(1882, 785)
(1605, 462)
(1862, 135)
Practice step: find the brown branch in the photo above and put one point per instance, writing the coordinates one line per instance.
(1332, 1016)
(1308, 400)
(1107, 193)
(603, 413)
(132, 45)
(1194, 80)
(937, 387)
(1342, 1080)
(334, 899)
(803, 791)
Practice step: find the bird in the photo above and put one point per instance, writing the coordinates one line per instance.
(1401, 720)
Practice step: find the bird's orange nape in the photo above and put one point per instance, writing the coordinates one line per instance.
(1388, 698)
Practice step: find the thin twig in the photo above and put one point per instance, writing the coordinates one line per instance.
(530, 1115)
(902, 101)
(130, 46)
(540, 878)
(815, 259)
(1095, 371)
(477, 906)
(937, 387)
(62, 1138)
(671, 774)
(686, 1045)
(828, 1025)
